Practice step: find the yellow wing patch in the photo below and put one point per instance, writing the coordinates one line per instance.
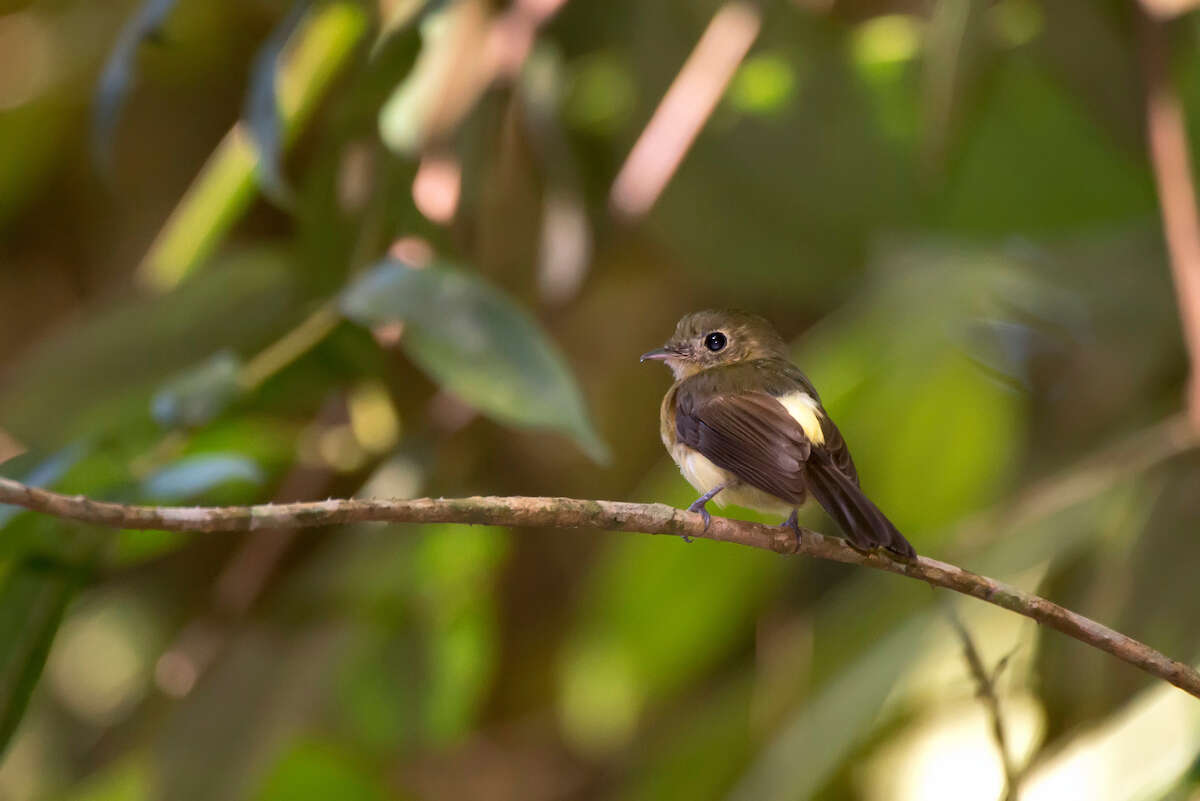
(803, 409)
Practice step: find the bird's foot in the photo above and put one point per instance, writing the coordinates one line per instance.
(698, 506)
(794, 525)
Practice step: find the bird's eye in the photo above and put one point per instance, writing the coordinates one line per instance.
(715, 341)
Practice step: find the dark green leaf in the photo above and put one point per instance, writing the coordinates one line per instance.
(199, 394)
(478, 344)
(66, 386)
(31, 607)
(34, 595)
(117, 78)
(261, 110)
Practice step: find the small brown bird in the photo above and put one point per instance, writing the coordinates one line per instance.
(746, 427)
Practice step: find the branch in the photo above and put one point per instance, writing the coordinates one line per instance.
(653, 518)
(1167, 142)
(985, 685)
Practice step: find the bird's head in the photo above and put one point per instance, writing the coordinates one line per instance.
(717, 337)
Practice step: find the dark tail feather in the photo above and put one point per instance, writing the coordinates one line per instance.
(863, 524)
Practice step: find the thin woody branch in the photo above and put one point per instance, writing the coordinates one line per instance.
(1167, 145)
(653, 518)
(985, 682)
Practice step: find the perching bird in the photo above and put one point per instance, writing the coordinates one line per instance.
(746, 427)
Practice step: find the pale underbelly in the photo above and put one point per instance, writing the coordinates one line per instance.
(704, 476)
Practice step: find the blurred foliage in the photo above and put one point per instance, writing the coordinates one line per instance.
(283, 250)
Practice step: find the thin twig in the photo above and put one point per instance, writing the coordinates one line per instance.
(985, 682)
(653, 518)
(685, 108)
(1167, 140)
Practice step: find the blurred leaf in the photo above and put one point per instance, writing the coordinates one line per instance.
(398, 17)
(266, 439)
(801, 757)
(478, 344)
(64, 386)
(423, 671)
(199, 394)
(791, 221)
(134, 546)
(379, 687)
(862, 657)
(269, 684)
(196, 475)
(117, 78)
(225, 187)
(44, 562)
(956, 53)
(261, 111)
(602, 93)
(701, 751)
(1006, 181)
(33, 137)
(618, 656)
(34, 595)
(902, 389)
(763, 84)
(44, 474)
(1091, 51)
(430, 99)
(456, 569)
(31, 608)
(321, 771)
(130, 778)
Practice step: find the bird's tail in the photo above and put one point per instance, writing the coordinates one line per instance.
(863, 524)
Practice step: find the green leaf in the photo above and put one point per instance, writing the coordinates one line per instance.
(198, 394)
(477, 343)
(225, 187)
(34, 595)
(801, 757)
(131, 778)
(44, 473)
(861, 658)
(875, 358)
(196, 475)
(31, 608)
(65, 386)
(318, 771)
(119, 73)
(619, 659)
(261, 110)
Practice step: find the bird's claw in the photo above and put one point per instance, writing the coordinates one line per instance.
(699, 508)
(794, 525)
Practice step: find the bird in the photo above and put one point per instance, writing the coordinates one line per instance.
(746, 427)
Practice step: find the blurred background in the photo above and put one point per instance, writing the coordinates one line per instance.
(262, 251)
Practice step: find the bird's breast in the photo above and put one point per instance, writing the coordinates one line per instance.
(705, 476)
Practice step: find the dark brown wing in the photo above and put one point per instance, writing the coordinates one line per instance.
(752, 435)
(835, 446)
(856, 514)
(749, 434)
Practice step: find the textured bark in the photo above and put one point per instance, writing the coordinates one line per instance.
(655, 518)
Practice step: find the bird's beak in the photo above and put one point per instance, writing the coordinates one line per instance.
(658, 355)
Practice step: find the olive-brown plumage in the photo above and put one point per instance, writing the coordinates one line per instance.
(746, 427)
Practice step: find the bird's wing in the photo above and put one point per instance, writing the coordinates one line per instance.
(751, 435)
(835, 446)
